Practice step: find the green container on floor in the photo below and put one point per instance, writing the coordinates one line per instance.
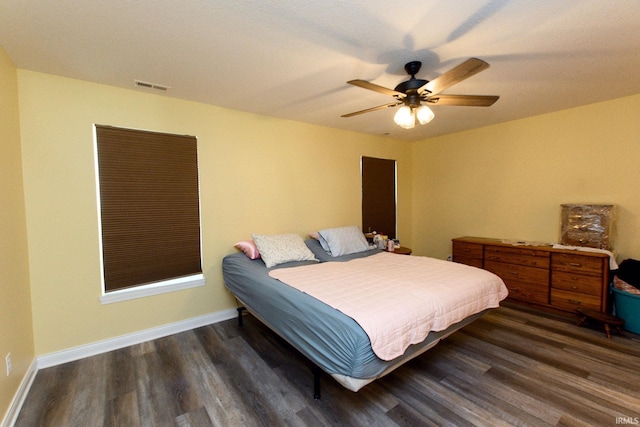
(628, 308)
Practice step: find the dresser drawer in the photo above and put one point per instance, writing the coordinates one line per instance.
(519, 273)
(524, 283)
(572, 300)
(591, 285)
(467, 250)
(581, 264)
(474, 262)
(517, 255)
(527, 291)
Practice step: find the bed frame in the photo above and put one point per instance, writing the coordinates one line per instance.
(316, 371)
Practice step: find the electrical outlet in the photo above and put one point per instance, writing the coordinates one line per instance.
(7, 360)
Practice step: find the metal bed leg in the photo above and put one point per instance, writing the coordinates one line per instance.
(316, 381)
(317, 372)
(240, 310)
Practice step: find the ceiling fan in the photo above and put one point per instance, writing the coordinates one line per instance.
(411, 93)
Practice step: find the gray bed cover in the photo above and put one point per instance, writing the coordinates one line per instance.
(330, 339)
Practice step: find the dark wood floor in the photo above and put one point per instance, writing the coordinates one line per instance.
(511, 367)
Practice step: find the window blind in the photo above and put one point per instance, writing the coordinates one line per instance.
(149, 206)
(379, 195)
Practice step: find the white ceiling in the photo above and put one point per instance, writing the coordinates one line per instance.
(291, 58)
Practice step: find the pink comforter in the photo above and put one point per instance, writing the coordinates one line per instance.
(398, 299)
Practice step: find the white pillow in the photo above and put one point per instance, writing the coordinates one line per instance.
(280, 248)
(343, 240)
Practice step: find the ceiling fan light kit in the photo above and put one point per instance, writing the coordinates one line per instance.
(424, 114)
(406, 116)
(411, 93)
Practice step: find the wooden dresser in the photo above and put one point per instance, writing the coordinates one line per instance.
(541, 276)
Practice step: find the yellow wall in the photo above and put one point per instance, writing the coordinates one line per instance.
(257, 174)
(16, 332)
(509, 180)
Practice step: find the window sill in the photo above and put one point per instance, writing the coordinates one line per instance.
(154, 289)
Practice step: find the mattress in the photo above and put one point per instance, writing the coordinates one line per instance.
(398, 300)
(332, 340)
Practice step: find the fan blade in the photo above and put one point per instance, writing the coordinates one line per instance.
(455, 75)
(368, 110)
(376, 88)
(463, 100)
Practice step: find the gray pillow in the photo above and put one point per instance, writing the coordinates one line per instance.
(343, 240)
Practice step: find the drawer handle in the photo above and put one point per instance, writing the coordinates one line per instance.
(466, 250)
(575, 264)
(572, 301)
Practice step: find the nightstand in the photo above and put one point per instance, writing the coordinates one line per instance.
(402, 250)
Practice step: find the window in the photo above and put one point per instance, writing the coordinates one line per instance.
(149, 207)
(379, 196)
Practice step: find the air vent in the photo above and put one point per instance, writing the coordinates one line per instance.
(148, 85)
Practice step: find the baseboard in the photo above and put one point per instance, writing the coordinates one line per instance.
(76, 353)
(20, 396)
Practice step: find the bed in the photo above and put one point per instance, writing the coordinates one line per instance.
(333, 341)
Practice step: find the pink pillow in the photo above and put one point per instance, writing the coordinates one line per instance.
(249, 248)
